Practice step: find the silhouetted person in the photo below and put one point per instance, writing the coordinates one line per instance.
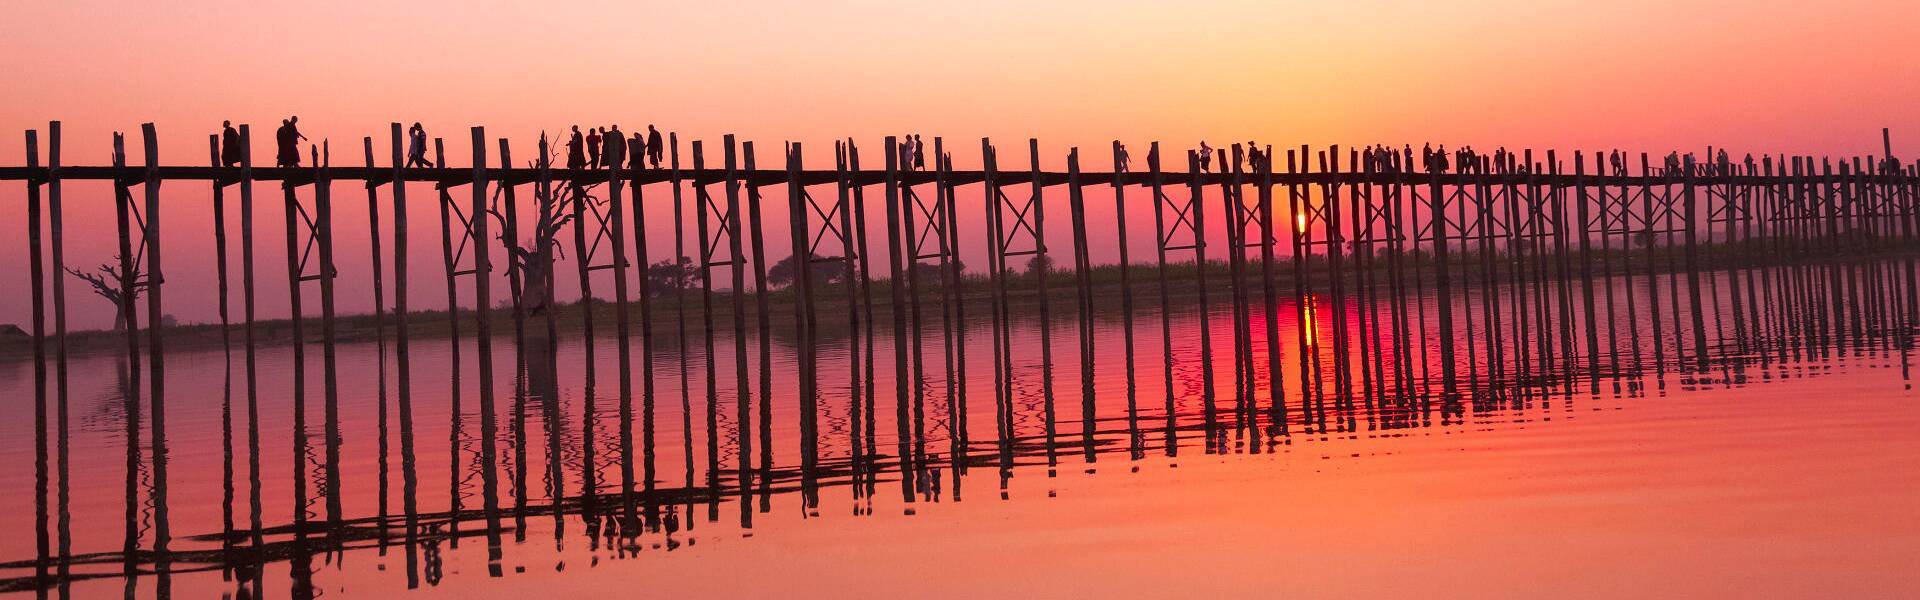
(1126, 162)
(919, 154)
(289, 141)
(576, 151)
(1153, 156)
(904, 152)
(593, 147)
(417, 147)
(229, 144)
(615, 147)
(1206, 157)
(653, 146)
(637, 151)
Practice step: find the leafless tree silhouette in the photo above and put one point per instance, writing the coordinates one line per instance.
(107, 283)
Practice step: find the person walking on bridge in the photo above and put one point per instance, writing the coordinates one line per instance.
(576, 155)
(593, 147)
(653, 146)
(289, 138)
(1206, 157)
(229, 145)
(1125, 161)
(919, 154)
(417, 147)
(636, 152)
(615, 148)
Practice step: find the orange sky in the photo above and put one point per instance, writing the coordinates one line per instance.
(1766, 76)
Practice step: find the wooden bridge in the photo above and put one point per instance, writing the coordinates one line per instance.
(1537, 242)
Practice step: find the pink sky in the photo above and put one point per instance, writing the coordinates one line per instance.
(1767, 76)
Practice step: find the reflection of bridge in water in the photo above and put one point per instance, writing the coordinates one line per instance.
(1543, 275)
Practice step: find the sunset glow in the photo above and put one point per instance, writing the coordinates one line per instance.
(990, 299)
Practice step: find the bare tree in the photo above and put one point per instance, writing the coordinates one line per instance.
(107, 283)
(535, 255)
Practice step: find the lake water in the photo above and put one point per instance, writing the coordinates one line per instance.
(1779, 461)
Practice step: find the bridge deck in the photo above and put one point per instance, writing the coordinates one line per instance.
(455, 176)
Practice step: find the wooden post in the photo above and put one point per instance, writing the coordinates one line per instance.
(704, 204)
(510, 232)
(1044, 256)
(1442, 281)
(743, 392)
(616, 230)
(42, 536)
(850, 279)
(1156, 181)
(379, 321)
(680, 305)
(1693, 271)
(867, 387)
(404, 384)
(1276, 379)
(763, 317)
(897, 288)
(1083, 280)
(156, 354)
(292, 210)
(57, 250)
(1198, 205)
(910, 256)
(802, 259)
(1120, 168)
(1586, 265)
(957, 333)
(641, 264)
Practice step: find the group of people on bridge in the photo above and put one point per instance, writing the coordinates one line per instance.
(911, 153)
(604, 147)
(1257, 159)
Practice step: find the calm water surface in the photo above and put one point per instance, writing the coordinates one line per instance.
(1788, 467)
